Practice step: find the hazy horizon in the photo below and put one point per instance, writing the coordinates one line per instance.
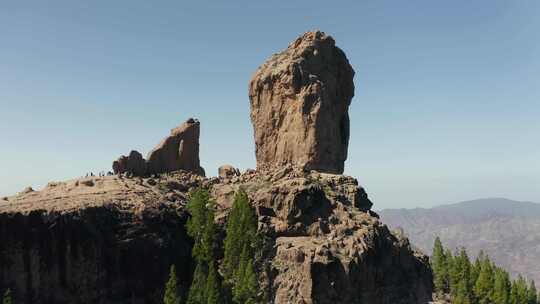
(499, 201)
(445, 110)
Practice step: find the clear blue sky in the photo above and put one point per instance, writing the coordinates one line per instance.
(447, 103)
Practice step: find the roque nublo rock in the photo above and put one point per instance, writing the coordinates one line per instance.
(299, 105)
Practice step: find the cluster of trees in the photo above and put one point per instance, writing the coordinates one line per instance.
(479, 282)
(236, 280)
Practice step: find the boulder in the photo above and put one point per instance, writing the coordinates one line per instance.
(27, 190)
(133, 164)
(299, 106)
(119, 166)
(228, 171)
(178, 151)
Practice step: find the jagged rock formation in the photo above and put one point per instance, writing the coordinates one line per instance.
(299, 105)
(178, 151)
(91, 240)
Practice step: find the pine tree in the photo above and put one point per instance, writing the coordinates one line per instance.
(501, 287)
(171, 292)
(208, 244)
(462, 289)
(205, 287)
(462, 294)
(484, 284)
(521, 286)
(7, 297)
(240, 248)
(213, 287)
(197, 293)
(233, 239)
(250, 283)
(475, 267)
(198, 208)
(440, 267)
(245, 290)
(532, 297)
(454, 272)
(241, 230)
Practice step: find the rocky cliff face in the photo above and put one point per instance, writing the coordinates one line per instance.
(93, 240)
(299, 105)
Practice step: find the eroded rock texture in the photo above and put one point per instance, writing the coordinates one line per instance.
(299, 105)
(111, 240)
(228, 171)
(134, 163)
(323, 245)
(178, 151)
(94, 240)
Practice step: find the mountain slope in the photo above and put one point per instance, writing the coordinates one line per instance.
(508, 231)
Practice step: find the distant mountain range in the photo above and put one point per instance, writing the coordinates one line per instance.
(508, 231)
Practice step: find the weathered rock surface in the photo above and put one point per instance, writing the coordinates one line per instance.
(134, 164)
(94, 240)
(321, 247)
(228, 171)
(111, 240)
(178, 151)
(299, 105)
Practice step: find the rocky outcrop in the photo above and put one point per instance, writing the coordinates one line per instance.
(95, 240)
(228, 171)
(133, 164)
(323, 245)
(178, 151)
(111, 240)
(299, 105)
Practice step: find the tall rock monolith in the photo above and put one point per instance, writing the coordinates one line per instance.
(299, 105)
